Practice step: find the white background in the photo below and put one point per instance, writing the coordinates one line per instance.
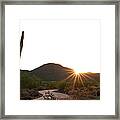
(104, 106)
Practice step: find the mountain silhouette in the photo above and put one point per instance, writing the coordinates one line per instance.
(51, 71)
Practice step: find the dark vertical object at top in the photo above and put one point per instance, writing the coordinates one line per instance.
(21, 42)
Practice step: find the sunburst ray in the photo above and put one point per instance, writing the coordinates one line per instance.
(77, 78)
(88, 77)
(81, 80)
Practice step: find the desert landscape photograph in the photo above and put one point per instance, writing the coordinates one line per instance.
(60, 60)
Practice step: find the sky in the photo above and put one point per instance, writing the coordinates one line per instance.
(73, 43)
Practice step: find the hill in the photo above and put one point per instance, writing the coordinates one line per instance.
(51, 71)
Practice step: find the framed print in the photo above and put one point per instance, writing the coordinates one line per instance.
(60, 59)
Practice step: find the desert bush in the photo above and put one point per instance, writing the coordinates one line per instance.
(28, 81)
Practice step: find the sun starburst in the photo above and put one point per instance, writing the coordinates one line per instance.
(78, 77)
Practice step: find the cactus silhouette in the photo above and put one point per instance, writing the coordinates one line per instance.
(21, 42)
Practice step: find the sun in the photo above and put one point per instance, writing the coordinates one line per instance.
(77, 71)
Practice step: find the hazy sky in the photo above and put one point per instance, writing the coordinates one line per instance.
(73, 43)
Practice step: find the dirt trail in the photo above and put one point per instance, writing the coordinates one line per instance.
(57, 95)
